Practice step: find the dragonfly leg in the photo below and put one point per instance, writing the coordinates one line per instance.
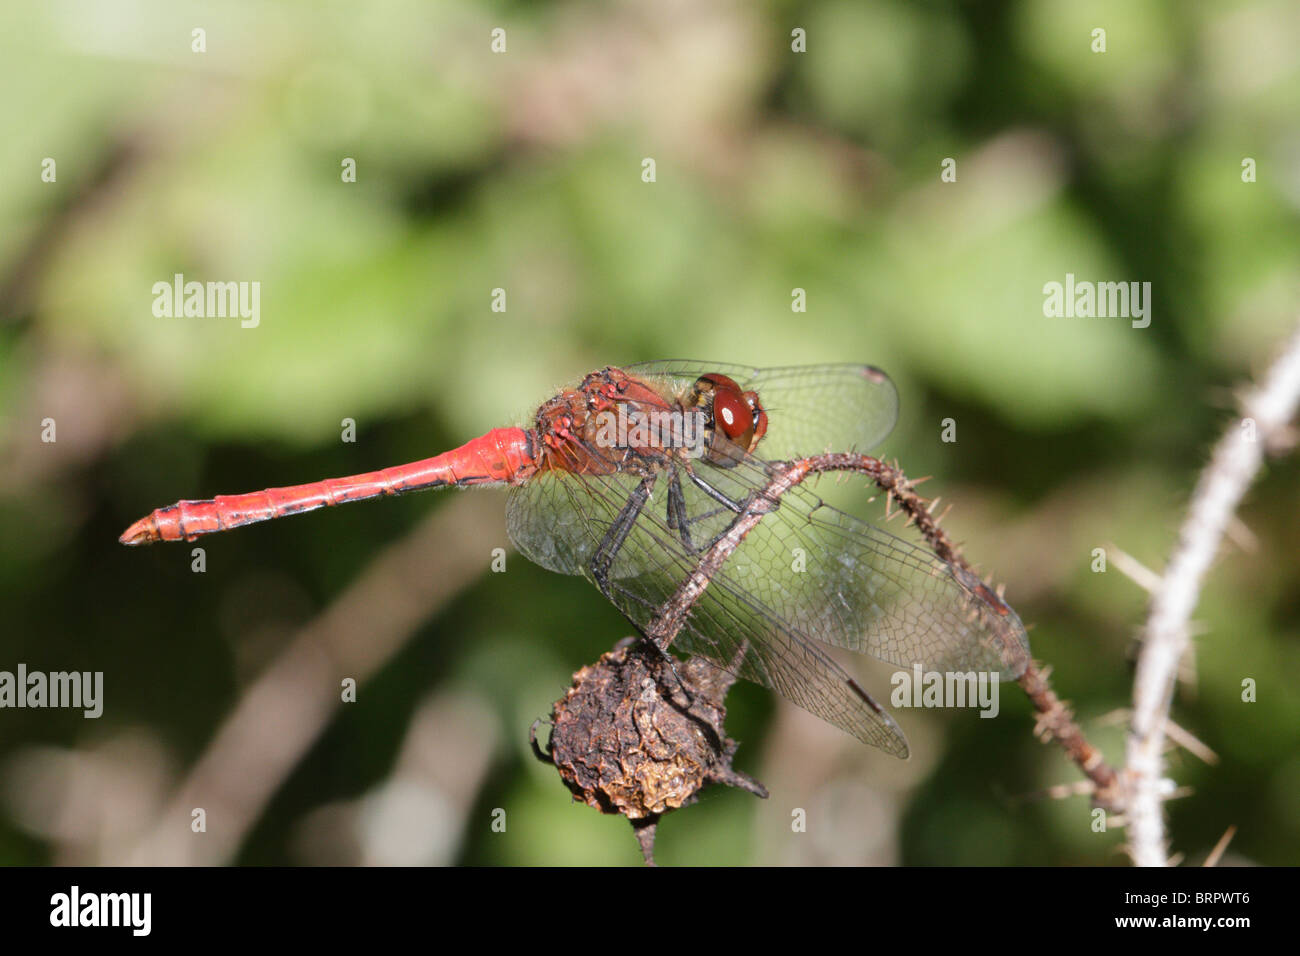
(618, 532)
(729, 503)
(663, 652)
(680, 522)
(677, 519)
(609, 548)
(739, 509)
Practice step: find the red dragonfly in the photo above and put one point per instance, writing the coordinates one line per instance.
(629, 476)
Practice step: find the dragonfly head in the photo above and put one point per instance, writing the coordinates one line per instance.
(736, 416)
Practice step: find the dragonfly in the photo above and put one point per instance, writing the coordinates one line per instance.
(629, 476)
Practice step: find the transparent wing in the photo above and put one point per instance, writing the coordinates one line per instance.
(806, 573)
(851, 584)
(811, 408)
(727, 625)
(816, 569)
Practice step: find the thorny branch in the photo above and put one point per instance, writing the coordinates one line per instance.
(1263, 426)
(1055, 719)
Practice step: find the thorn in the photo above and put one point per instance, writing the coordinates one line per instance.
(1119, 715)
(934, 503)
(1281, 441)
(1060, 791)
(1239, 533)
(1217, 853)
(1190, 743)
(1134, 570)
(1187, 663)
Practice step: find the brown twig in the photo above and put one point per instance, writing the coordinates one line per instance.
(1055, 719)
(1056, 722)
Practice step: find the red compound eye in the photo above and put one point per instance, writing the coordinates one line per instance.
(733, 410)
(732, 414)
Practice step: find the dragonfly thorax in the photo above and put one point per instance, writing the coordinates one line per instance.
(615, 423)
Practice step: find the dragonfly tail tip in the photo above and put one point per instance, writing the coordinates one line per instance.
(144, 531)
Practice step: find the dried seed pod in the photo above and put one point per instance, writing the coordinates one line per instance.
(639, 735)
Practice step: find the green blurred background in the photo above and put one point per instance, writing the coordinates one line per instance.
(521, 170)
